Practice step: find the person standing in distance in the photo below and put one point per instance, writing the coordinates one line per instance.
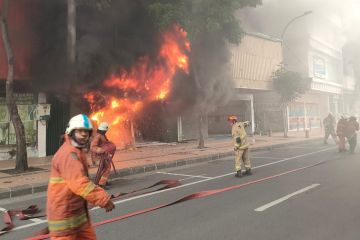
(241, 146)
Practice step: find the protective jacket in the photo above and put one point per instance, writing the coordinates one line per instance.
(329, 122)
(69, 191)
(341, 127)
(351, 127)
(98, 140)
(239, 135)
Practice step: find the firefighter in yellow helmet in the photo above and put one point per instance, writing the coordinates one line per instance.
(241, 145)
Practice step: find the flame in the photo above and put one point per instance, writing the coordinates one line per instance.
(148, 80)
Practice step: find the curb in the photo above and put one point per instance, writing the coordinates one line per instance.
(6, 193)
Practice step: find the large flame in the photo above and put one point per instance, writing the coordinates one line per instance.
(143, 83)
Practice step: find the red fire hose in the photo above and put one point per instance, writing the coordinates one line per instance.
(187, 198)
(28, 213)
(105, 159)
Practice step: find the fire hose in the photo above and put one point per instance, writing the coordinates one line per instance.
(105, 158)
(193, 196)
(28, 213)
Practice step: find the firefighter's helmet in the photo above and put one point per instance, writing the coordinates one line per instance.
(104, 126)
(232, 118)
(80, 121)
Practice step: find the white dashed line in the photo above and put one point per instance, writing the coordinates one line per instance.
(280, 200)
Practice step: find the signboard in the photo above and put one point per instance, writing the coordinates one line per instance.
(43, 112)
(26, 104)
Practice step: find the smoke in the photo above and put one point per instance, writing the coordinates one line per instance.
(113, 39)
(272, 16)
(107, 39)
(213, 72)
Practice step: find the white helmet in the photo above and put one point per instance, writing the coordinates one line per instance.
(104, 126)
(80, 121)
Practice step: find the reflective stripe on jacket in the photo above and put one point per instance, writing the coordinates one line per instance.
(238, 130)
(69, 191)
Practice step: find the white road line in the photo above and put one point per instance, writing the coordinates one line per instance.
(280, 200)
(188, 184)
(36, 220)
(184, 175)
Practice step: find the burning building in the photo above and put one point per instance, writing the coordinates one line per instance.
(122, 97)
(126, 71)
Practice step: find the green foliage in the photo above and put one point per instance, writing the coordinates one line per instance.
(290, 85)
(201, 17)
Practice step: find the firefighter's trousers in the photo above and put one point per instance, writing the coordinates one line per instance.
(104, 177)
(352, 143)
(242, 156)
(87, 232)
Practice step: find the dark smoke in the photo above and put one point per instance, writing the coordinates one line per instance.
(106, 40)
(113, 39)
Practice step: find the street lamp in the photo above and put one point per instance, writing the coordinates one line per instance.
(292, 20)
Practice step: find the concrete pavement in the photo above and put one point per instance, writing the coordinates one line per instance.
(146, 158)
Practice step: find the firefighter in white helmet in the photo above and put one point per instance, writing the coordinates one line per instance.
(70, 188)
(241, 145)
(97, 154)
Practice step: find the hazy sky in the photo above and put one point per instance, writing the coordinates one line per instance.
(271, 17)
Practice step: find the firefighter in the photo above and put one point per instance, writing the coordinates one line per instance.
(70, 188)
(351, 133)
(329, 126)
(241, 145)
(96, 152)
(341, 132)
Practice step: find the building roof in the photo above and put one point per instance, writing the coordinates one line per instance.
(261, 35)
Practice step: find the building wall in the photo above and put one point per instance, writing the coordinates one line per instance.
(254, 60)
(190, 129)
(218, 123)
(268, 113)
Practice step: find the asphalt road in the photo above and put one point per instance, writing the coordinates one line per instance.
(308, 191)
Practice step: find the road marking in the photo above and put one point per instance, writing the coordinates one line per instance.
(184, 175)
(36, 220)
(280, 200)
(185, 185)
(183, 179)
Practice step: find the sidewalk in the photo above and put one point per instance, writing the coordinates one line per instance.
(146, 158)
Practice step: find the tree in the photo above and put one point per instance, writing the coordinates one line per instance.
(21, 154)
(289, 85)
(202, 20)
